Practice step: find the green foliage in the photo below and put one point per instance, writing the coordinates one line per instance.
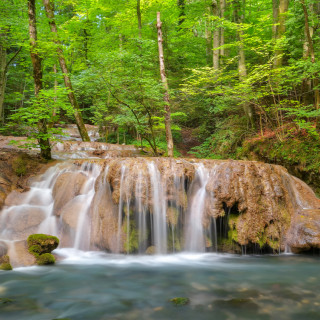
(115, 73)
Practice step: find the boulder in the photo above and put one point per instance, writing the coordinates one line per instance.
(68, 185)
(40, 246)
(5, 263)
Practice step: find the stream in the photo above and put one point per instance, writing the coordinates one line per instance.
(96, 285)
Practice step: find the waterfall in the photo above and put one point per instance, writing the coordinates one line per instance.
(160, 205)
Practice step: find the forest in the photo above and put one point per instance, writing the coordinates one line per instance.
(240, 78)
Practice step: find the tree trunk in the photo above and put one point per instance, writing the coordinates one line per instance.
(181, 5)
(280, 30)
(311, 53)
(3, 74)
(216, 40)
(242, 59)
(62, 61)
(139, 18)
(222, 11)
(167, 115)
(45, 150)
(275, 14)
(208, 35)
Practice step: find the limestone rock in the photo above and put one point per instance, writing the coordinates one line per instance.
(67, 186)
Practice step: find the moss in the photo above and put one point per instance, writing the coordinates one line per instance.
(46, 258)
(45, 242)
(5, 266)
(180, 301)
(35, 250)
(175, 245)
(40, 246)
(5, 263)
(132, 242)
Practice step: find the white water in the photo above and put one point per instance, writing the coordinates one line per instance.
(196, 241)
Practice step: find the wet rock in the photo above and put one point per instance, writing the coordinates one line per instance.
(3, 248)
(21, 221)
(20, 255)
(67, 186)
(304, 233)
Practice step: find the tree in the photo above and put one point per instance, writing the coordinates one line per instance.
(310, 52)
(280, 30)
(62, 61)
(43, 139)
(164, 80)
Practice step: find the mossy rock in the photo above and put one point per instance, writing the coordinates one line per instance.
(5, 263)
(46, 258)
(40, 246)
(5, 266)
(180, 301)
(42, 243)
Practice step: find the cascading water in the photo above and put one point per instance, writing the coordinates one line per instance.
(158, 210)
(159, 205)
(196, 241)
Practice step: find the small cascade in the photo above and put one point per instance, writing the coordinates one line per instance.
(158, 210)
(82, 235)
(162, 205)
(196, 241)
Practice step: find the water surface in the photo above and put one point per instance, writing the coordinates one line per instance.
(92, 285)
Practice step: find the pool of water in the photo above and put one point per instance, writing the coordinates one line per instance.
(91, 285)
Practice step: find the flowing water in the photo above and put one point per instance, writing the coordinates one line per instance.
(158, 206)
(91, 285)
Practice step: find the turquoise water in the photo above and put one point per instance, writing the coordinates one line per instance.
(101, 286)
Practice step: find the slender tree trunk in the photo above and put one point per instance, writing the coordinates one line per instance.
(222, 11)
(275, 14)
(139, 18)
(182, 6)
(208, 35)
(44, 143)
(167, 116)
(242, 59)
(62, 61)
(216, 36)
(280, 30)
(311, 53)
(3, 74)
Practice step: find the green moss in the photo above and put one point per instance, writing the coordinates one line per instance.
(5, 266)
(46, 258)
(180, 301)
(45, 242)
(40, 246)
(132, 242)
(35, 250)
(5, 263)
